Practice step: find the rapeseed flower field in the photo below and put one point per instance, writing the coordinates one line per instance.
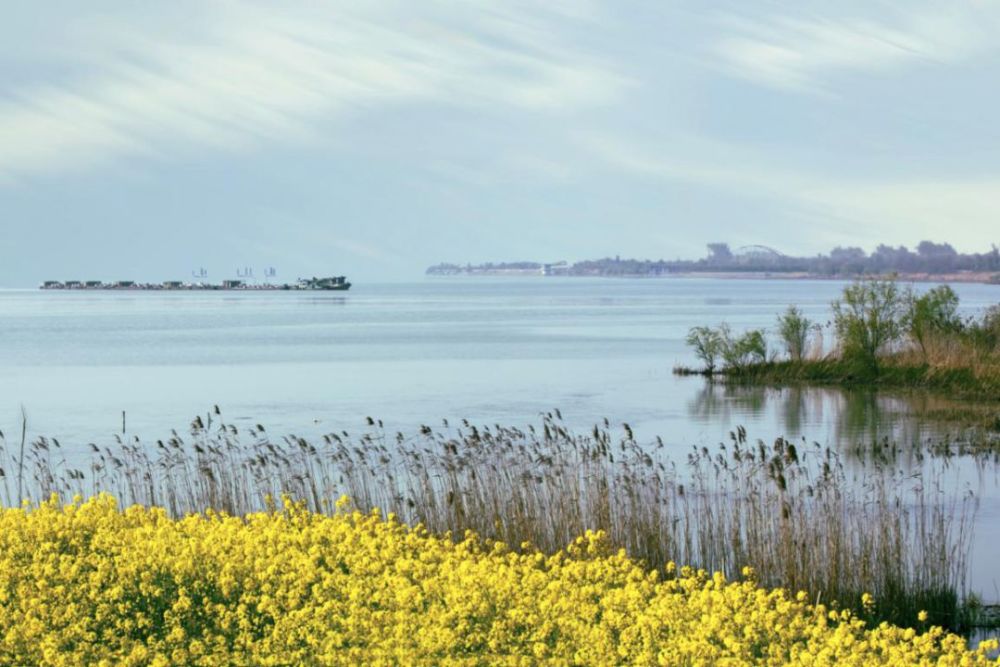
(89, 583)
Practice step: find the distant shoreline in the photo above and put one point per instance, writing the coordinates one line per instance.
(931, 262)
(983, 277)
(980, 277)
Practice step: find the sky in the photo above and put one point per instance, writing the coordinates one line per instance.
(143, 140)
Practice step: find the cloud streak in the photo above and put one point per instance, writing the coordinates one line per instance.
(962, 211)
(260, 74)
(801, 52)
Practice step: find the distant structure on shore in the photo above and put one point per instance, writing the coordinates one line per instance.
(335, 283)
(930, 261)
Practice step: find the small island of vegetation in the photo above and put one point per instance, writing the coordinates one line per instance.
(884, 334)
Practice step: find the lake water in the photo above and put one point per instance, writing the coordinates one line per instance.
(498, 350)
(490, 350)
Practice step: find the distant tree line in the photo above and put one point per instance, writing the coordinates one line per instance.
(446, 269)
(928, 257)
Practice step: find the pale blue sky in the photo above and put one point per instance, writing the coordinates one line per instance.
(144, 139)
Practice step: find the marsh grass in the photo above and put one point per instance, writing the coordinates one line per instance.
(959, 357)
(973, 393)
(791, 511)
(897, 370)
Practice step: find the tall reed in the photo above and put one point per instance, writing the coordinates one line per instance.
(792, 512)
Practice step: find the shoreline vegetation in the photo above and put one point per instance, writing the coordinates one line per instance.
(884, 335)
(897, 372)
(478, 544)
(931, 262)
(98, 584)
(879, 539)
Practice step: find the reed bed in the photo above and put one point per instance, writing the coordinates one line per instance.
(975, 379)
(792, 511)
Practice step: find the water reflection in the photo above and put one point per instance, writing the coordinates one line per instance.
(722, 402)
(840, 417)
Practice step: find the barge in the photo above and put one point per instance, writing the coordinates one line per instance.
(334, 283)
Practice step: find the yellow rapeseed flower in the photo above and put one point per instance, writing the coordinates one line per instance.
(88, 583)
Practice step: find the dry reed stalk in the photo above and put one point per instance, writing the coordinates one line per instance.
(793, 512)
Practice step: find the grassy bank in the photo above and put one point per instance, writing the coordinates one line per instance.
(95, 585)
(791, 512)
(902, 371)
(884, 335)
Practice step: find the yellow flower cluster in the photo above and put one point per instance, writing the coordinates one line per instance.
(88, 584)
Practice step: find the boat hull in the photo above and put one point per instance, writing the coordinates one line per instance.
(312, 285)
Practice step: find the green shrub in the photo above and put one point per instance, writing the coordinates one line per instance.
(984, 334)
(741, 351)
(793, 329)
(707, 344)
(869, 319)
(932, 315)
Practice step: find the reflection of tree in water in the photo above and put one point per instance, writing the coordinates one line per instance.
(859, 417)
(793, 409)
(731, 403)
(870, 417)
(844, 418)
(717, 401)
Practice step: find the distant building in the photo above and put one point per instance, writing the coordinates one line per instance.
(232, 284)
(94, 284)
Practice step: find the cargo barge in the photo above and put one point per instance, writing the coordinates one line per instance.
(335, 283)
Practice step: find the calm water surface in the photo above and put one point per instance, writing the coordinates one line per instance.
(490, 350)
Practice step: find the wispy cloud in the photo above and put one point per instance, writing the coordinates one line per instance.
(260, 73)
(800, 51)
(357, 245)
(954, 210)
(699, 162)
(964, 211)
